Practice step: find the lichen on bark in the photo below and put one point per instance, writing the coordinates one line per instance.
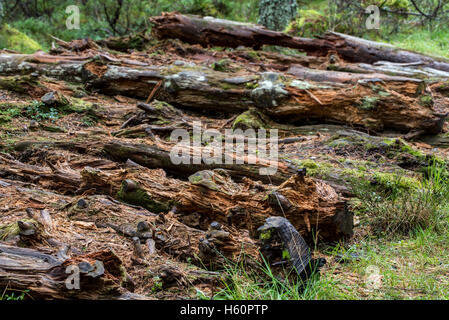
(277, 14)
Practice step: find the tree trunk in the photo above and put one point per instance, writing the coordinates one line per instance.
(309, 204)
(45, 275)
(276, 14)
(217, 32)
(373, 101)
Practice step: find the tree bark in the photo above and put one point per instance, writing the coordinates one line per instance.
(217, 32)
(373, 101)
(276, 14)
(45, 275)
(309, 204)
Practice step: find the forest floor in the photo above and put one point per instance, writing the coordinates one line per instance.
(38, 143)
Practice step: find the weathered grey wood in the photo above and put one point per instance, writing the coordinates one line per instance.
(45, 275)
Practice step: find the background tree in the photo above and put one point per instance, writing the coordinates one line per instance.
(1, 12)
(276, 14)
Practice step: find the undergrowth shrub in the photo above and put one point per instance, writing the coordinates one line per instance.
(392, 209)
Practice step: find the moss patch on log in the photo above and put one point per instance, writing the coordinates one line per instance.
(139, 197)
(426, 100)
(250, 119)
(19, 84)
(9, 231)
(369, 103)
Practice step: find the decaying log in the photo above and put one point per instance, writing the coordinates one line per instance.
(156, 157)
(208, 31)
(370, 101)
(45, 276)
(374, 101)
(217, 32)
(309, 204)
(360, 50)
(213, 196)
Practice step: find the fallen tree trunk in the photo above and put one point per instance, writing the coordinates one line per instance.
(45, 276)
(355, 49)
(309, 204)
(218, 32)
(312, 206)
(208, 31)
(372, 101)
(376, 102)
(156, 157)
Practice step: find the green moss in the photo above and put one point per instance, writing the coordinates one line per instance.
(11, 230)
(383, 93)
(157, 285)
(309, 164)
(19, 84)
(195, 179)
(309, 23)
(228, 86)
(140, 197)
(426, 100)
(395, 181)
(390, 147)
(250, 119)
(13, 39)
(379, 90)
(265, 234)
(353, 173)
(285, 254)
(221, 65)
(368, 103)
(251, 85)
(406, 148)
(161, 105)
(339, 143)
(254, 55)
(89, 121)
(314, 168)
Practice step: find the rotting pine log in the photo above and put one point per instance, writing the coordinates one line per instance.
(369, 101)
(308, 203)
(45, 275)
(355, 49)
(211, 195)
(373, 101)
(208, 31)
(311, 205)
(157, 157)
(218, 32)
